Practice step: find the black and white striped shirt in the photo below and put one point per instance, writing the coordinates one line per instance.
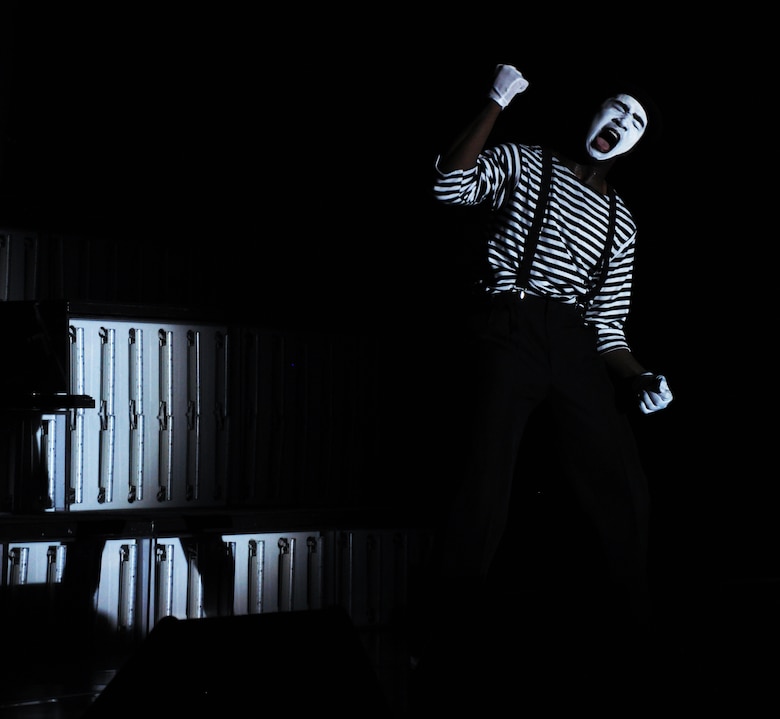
(566, 260)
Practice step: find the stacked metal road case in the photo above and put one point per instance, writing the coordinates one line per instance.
(135, 408)
(137, 572)
(155, 433)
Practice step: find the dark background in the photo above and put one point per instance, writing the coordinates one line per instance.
(293, 151)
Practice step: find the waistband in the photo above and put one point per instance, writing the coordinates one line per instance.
(519, 295)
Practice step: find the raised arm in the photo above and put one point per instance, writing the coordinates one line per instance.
(462, 154)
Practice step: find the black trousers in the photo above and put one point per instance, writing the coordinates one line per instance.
(528, 352)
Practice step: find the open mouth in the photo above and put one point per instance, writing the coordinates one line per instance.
(606, 139)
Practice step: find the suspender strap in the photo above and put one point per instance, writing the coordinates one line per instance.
(583, 300)
(533, 233)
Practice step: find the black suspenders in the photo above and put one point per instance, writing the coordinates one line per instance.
(533, 236)
(536, 227)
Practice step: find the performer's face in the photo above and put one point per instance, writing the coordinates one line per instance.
(616, 128)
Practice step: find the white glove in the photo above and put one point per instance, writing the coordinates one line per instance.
(653, 392)
(508, 82)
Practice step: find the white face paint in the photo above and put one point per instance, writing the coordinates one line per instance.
(616, 128)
